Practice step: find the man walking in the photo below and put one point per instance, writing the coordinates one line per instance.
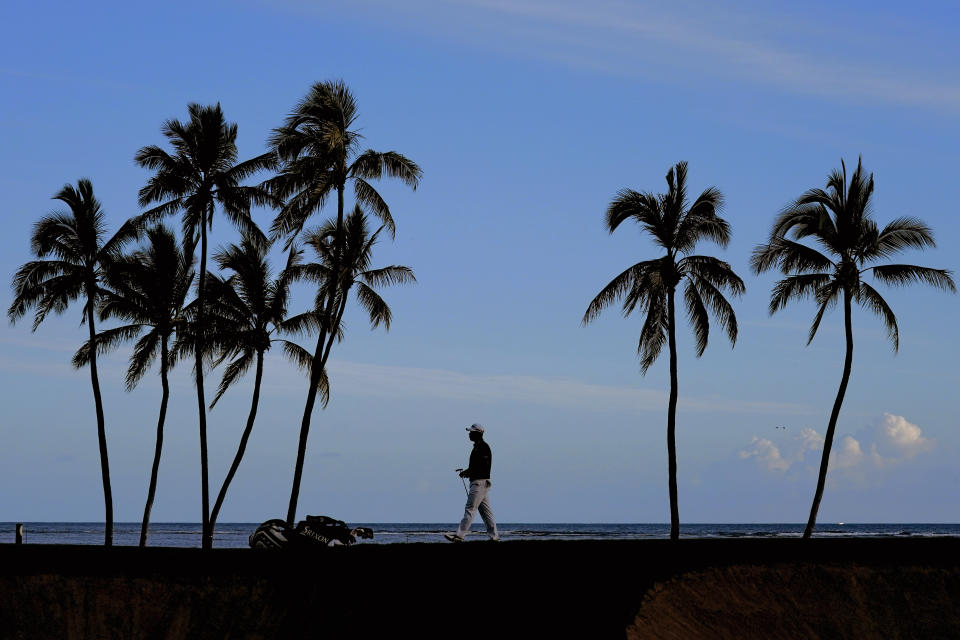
(479, 474)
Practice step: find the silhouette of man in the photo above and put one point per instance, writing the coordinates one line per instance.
(478, 472)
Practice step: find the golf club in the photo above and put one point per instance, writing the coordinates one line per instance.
(463, 481)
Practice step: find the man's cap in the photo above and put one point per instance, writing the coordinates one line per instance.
(475, 428)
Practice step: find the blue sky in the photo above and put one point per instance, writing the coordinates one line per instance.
(526, 118)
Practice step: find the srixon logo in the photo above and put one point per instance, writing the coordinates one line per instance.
(307, 531)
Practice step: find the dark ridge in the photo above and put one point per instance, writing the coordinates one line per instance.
(585, 588)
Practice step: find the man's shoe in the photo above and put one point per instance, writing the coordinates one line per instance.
(452, 537)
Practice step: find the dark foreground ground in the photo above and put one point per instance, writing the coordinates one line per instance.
(838, 588)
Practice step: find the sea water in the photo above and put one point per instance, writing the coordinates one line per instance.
(236, 535)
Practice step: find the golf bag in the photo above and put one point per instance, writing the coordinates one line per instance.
(315, 531)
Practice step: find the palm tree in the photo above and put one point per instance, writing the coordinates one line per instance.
(201, 173)
(348, 252)
(147, 289)
(73, 260)
(320, 155)
(247, 310)
(839, 221)
(652, 284)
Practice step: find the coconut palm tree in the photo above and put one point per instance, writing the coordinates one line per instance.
(651, 285)
(201, 172)
(348, 252)
(247, 310)
(147, 289)
(73, 257)
(321, 155)
(839, 221)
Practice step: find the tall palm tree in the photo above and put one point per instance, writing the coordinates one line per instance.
(839, 221)
(201, 173)
(652, 284)
(320, 155)
(343, 264)
(73, 258)
(147, 289)
(247, 310)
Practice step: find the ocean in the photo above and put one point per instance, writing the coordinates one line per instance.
(235, 535)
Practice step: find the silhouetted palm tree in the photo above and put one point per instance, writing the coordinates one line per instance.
(348, 251)
(73, 258)
(201, 173)
(247, 309)
(651, 284)
(147, 289)
(839, 221)
(320, 155)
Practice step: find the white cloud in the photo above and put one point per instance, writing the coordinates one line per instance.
(767, 455)
(847, 455)
(902, 436)
(890, 441)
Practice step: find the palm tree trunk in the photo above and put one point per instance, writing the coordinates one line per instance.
(315, 375)
(101, 430)
(834, 415)
(316, 371)
(152, 490)
(207, 533)
(243, 442)
(333, 334)
(672, 421)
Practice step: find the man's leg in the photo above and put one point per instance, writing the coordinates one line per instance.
(486, 513)
(476, 495)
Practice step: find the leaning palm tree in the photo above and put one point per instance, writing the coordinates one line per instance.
(343, 265)
(247, 310)
(202, 172)
(838, 220)
(73, 259)
(651, 284)
(147, 289)
(320, 155)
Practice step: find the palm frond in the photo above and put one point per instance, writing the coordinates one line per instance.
(373, 165)
(796, 288)
(715, 271)
(106, 341)
(298, 355)
(789, 257)
(145, 351)
(304, 359)
(702, 221)
(374, 305)
(616, 289)
(653, 334)
(647, 287)
(234, 371)
(904, 274)
(719, 305)
(56, 294)
(301, 324)
(148, 218)
(370, 198)
(869, 298)
(29, 284)
(643, 207)
(388, 276)
(904, 233)
(697, 313)
(826, 297)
